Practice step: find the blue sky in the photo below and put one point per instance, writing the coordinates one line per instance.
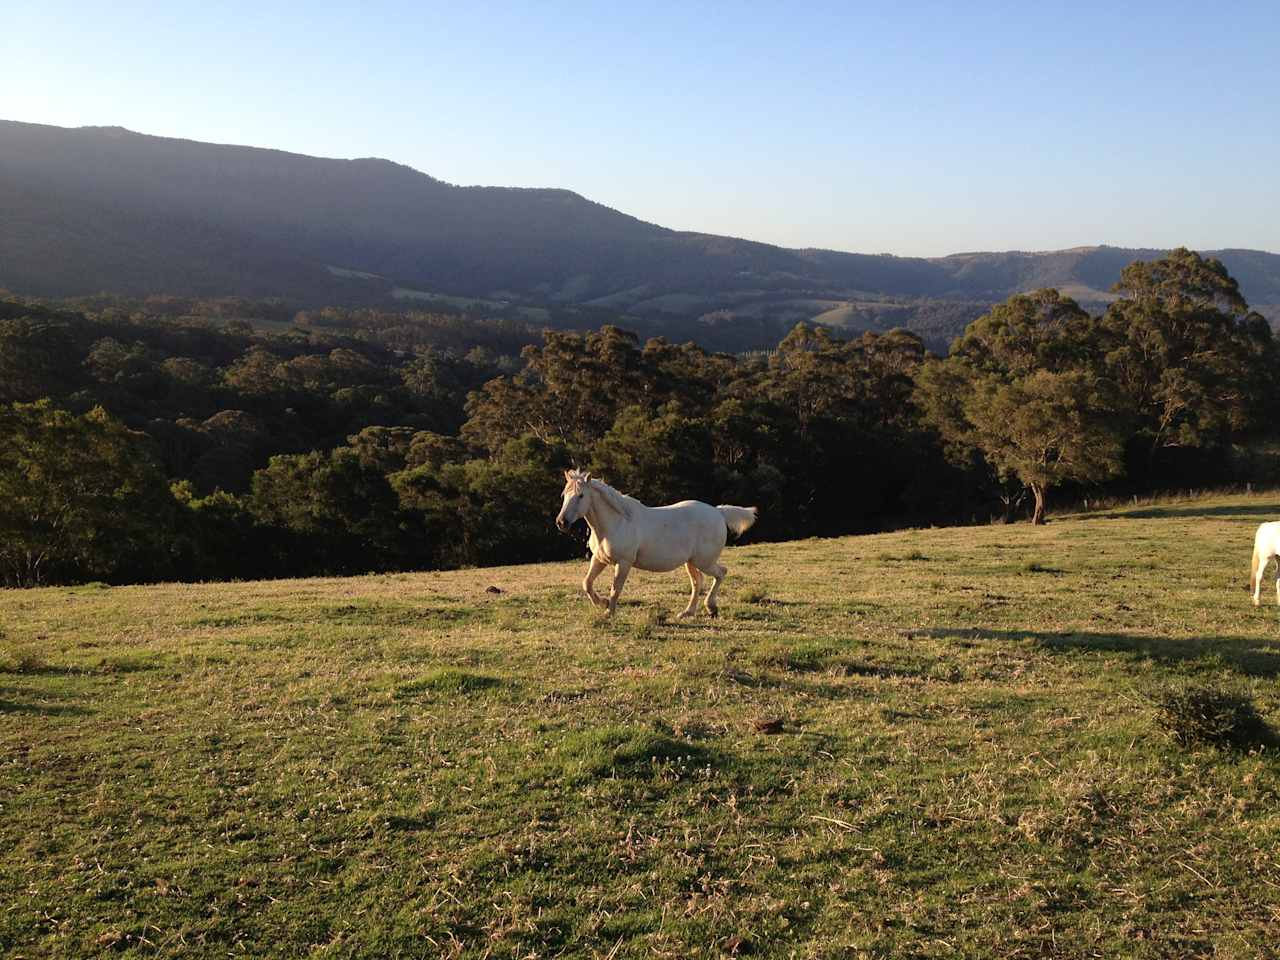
(916, 129)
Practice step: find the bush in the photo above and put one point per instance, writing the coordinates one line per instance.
(1215, 716)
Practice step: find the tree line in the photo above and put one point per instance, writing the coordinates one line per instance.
(148, 440)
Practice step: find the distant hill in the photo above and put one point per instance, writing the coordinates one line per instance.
(105, 209)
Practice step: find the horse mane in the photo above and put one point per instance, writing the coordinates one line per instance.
(620, 502)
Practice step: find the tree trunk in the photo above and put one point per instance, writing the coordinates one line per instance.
(1037, 515)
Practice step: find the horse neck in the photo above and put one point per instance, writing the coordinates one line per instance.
(601, 517)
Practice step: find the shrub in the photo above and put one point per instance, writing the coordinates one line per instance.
(1211, 715)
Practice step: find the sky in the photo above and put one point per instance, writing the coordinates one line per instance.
(918, 129)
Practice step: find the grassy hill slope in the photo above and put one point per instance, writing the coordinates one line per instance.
(928, 743)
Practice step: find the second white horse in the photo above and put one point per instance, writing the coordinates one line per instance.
(625, 534)
(1266, 544)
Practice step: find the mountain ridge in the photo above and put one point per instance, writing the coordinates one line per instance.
(92, 209)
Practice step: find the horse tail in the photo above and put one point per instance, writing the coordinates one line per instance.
(738, 519)
(1255, 568)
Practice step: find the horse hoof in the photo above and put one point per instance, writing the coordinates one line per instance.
(713, 612)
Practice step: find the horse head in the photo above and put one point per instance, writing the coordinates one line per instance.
(573, 499)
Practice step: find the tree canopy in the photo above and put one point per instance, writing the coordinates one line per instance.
(1022, 388)
(79, 496)
(1191, 363)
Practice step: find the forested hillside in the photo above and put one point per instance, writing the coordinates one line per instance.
(104, 209)
(160, 439)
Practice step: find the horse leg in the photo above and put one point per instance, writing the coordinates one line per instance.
(1256, 570)
(695, 584)
(619, 578)
(1277, 580)
(717, 572)
(593, 571)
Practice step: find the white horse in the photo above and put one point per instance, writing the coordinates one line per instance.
(1266, 544)
(625, 534)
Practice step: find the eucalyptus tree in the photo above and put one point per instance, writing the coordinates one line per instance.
(81, 497)
(1023, 387)
(1189, 360)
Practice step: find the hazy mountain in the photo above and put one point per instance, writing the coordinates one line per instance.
(104, 209)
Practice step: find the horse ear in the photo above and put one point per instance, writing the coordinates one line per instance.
(586, 478)
(568, 474)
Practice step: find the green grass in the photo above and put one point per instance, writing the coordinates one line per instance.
(934, 743)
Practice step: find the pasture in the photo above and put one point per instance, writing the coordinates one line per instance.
(933, 743)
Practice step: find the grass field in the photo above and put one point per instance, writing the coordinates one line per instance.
(934, 743)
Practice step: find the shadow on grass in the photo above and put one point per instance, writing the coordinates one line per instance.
(410, 824)
(1243, 511)
(37, 709)
(105, 666)
(42, 670)
(1245, 655)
